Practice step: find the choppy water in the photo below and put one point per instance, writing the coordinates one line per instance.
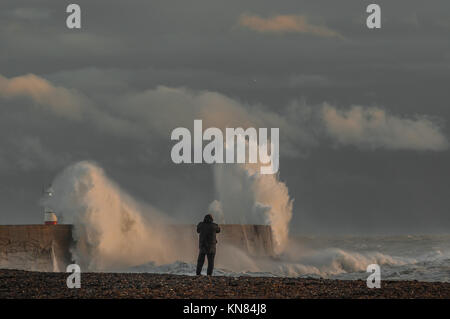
(423, 258)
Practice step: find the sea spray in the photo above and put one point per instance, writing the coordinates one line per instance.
(248, 197)
(111, 229)
(55, 265)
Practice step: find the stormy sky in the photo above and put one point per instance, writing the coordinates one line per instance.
(363, 114)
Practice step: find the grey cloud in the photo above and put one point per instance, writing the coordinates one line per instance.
(163, 108)
(372, 127)
(152, 114)
(286, 24)
(301, 80)
(30, 13)
(60, 100)
(68, 103)
(27, 153)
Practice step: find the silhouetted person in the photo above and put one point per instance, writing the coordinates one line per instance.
(207, 243)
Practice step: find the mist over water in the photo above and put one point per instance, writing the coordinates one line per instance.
(114, 232)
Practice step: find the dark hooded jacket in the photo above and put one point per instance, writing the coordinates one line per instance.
(207, 239)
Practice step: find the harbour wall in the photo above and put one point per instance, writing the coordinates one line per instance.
(47, 247)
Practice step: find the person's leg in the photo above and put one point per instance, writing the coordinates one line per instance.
(210, 263)
(200, 261)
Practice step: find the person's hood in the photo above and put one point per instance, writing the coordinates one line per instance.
(208, 219)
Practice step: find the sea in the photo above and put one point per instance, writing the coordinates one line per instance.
(406, 257)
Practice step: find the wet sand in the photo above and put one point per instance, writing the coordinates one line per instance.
(25, 284)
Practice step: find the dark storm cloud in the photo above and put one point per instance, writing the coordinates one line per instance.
(113, 91)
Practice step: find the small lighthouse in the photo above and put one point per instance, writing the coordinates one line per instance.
(49, 216)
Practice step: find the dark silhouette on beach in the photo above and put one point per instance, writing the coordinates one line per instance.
(207, 243)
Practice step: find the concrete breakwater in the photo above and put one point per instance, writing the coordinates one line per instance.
(47, 247)
(35, 247)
